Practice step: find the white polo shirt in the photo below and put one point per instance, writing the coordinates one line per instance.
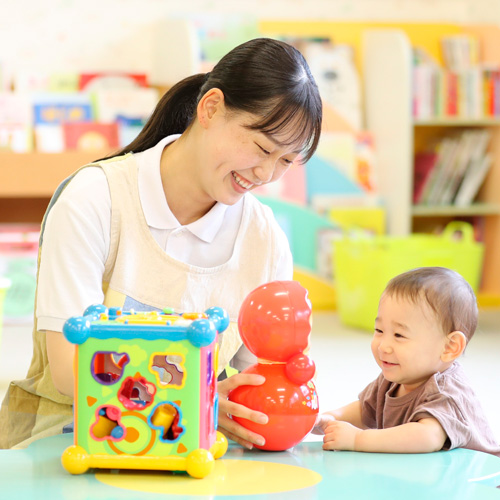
(77, 238)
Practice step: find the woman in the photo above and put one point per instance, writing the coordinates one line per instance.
(169, 221)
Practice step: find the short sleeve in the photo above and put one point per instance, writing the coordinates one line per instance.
(74, 250)
(446, 411)
(368, 398)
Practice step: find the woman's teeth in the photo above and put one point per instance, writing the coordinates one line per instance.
(241, 182)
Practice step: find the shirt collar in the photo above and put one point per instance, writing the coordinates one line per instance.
(154, 204)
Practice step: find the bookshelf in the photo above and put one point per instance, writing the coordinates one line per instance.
(387, 66)
(28, 180)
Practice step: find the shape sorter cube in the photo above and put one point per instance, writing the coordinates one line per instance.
(145, 390)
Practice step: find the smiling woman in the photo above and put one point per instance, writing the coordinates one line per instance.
(169, 221)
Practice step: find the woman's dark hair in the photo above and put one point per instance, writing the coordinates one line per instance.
(265, 77)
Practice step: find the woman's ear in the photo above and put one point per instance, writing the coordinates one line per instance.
(211, 105)
(454, 347)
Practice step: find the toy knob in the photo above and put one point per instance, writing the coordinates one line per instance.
(219, 316)
(77, 329)
(95, 311)
(201, 332)
(300, 368)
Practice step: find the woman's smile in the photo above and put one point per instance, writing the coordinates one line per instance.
(242, 182)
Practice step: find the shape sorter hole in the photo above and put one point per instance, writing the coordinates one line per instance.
(166, 418)
(169, 369)
(136, 393)
(107, 425)
(107, 367)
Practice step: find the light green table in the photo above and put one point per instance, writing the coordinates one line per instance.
(306, 472)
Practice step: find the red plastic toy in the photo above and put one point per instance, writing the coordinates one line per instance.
(275, 325)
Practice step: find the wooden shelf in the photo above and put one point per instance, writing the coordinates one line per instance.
(37, 175)
(458, 122)
(28, 180)
(453, 211)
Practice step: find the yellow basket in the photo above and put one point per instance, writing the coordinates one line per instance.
(363, 266)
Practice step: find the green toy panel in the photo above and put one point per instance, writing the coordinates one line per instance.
(129, 392)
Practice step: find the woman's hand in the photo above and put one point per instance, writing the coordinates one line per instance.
(227, 409)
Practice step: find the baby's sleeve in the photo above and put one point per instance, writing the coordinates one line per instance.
(447, 412)
(368, 398)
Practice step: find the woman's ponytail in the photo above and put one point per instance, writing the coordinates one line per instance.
(172, 115)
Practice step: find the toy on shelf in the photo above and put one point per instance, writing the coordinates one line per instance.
(145, 390)
(275, 324)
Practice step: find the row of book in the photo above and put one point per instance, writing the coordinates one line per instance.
(104, 111)
(472, 93)
(453, 171)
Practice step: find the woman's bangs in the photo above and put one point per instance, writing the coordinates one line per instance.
(294, 124)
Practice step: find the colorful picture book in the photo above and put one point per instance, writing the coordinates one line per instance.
(91, 136)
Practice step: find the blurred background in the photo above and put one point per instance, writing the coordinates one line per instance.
(407, 172)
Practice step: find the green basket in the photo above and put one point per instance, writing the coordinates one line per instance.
(363, 266)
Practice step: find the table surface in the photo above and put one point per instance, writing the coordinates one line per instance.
(305, 472)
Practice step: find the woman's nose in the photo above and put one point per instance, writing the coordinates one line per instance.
(264, 172)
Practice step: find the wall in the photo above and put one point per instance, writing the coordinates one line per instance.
(92, 35)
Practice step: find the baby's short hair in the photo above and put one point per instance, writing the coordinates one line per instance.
(447, 293)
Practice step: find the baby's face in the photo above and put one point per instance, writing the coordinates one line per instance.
(408, 342)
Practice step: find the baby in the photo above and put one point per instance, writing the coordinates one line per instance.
(422, 401)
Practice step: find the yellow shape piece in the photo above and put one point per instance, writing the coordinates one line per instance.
(163, 417)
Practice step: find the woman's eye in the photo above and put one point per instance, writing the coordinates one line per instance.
(265, 151)
(287, 162)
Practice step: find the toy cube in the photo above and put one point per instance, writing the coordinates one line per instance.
(145, 390)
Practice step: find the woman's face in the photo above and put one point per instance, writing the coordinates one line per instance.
(239, 159)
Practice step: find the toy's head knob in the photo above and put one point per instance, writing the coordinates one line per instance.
(300, 369)
(274, 320)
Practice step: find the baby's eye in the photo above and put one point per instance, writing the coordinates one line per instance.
(399, 336)
(377, 330)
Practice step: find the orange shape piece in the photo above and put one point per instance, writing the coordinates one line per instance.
(178, 403)
(181, 448)
(91, 401)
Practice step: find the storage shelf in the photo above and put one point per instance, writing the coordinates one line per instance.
(458, 122)
(454, 211)
(37, 175)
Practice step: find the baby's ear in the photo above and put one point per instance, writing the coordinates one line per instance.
(454, 347)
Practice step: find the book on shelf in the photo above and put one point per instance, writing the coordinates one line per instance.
(425, 162)
(463, 88)
(472, 181)
(455, 162)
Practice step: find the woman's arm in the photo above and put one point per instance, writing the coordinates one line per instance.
(424, 436)
(60, 354)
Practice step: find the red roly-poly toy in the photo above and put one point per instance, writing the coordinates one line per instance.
(275, 325)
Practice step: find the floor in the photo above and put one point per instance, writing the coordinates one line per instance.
(342, 355)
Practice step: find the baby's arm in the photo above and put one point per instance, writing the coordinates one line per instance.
(350, 413)
(424, 436)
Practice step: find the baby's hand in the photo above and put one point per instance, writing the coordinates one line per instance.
(322, 422)
(340, 436)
